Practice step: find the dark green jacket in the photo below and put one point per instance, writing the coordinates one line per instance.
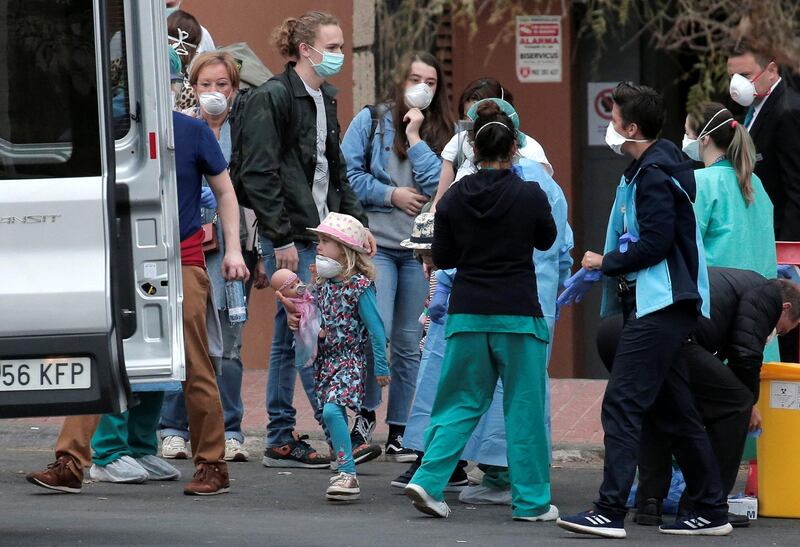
(278, 158)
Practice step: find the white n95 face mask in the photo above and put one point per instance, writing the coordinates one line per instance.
(615, 141)
(742, 90)
(691, 147)
(327, 267)
(213, 102)
(419, 96)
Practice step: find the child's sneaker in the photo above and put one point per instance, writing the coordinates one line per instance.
(343, 487)
(594, 523)
(694, 524)
(425, 503)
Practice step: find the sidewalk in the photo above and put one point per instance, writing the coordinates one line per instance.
(575, 411)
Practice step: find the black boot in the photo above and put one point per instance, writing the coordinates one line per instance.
(648, 513)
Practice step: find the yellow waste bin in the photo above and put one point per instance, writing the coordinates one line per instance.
(779, 443)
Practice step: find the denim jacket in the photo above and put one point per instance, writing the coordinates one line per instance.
(374, 188)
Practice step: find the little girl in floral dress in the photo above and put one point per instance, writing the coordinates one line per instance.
(347, 303)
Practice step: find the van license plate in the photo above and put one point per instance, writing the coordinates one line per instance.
(43, 374)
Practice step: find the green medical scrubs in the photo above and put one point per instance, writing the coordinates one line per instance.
(130, 433)
(481, 348)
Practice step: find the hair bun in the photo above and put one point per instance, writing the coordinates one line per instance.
(488, 109)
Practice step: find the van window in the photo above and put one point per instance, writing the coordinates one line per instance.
(48, 90)
(120, 89)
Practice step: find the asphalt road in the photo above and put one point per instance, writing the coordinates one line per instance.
(271, 507)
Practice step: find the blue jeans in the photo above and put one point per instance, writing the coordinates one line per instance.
(402, 291)
(282, 373)
(174, 420)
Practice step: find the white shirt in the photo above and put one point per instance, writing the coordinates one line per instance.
(532, 150)
(321, 178)
(757, 107)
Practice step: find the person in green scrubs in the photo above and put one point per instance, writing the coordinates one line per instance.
(487, 227)
(734, 213)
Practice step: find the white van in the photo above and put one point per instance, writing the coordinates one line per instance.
(90, 285)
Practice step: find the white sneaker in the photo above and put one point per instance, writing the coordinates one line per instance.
(174, 448)
(483, 495)
(234, 451)
(124, 470)
(425, 503)
(157, 469)
(549, 516)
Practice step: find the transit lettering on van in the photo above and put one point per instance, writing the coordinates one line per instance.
(30, 219)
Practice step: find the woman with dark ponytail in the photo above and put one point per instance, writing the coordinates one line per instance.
(487, 227)
(734, 213)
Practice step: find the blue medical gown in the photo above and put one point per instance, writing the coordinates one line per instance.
(488, 442)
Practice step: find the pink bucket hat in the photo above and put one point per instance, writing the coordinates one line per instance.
(346, 230)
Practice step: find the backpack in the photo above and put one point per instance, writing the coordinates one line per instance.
(235, 118)
(252, 72)
(235, 165)
(377, 113)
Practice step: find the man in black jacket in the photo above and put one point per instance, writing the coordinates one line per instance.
(747, 310)
(773, 120)
(654, 254)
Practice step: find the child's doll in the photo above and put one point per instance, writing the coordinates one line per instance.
(297, 298)
(348, 306)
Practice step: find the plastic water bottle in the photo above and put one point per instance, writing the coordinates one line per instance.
(236, 301)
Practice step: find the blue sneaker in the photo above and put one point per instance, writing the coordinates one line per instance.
(695, 524)
(594, 523)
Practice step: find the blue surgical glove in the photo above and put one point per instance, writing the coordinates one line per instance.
(789, 271)
(207, 199)
(624, 239)
(577, 286)
(437, 309)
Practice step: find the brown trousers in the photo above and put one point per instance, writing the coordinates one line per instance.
(206, 422)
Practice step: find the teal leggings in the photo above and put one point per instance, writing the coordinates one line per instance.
(131, 433)
(335, 418)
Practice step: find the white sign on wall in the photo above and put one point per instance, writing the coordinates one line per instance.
(539, 48)
(598, 110)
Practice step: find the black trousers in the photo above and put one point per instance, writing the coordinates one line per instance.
(724, 403)
(648, 393)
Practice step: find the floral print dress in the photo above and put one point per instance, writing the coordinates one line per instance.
(340, 366)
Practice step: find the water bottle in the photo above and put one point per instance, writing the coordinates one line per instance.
(236, 301)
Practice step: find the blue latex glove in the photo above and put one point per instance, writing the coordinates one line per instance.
(785, 271)
(577, 286)
(624, 239)
(207, 199)
(789, 271)
(437, 309)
